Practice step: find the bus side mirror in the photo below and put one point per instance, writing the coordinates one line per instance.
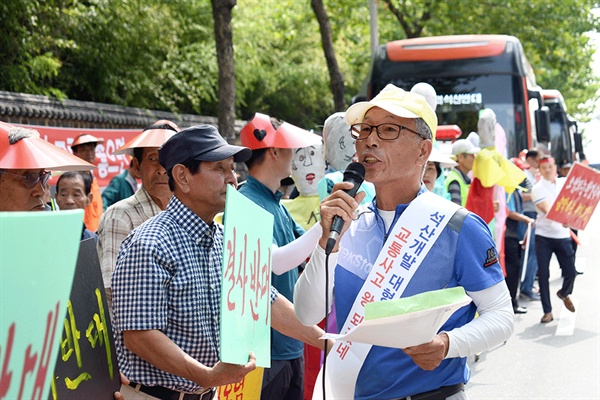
(542, 124)
(577, 139)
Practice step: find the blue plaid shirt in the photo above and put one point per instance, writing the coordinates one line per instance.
(168, 278)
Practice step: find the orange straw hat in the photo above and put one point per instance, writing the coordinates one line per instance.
(86, 138)
(153, 136)
(260, 133)
(32, 152)
(4, 143)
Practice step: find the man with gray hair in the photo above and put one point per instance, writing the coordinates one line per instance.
(166, 285)
(25, 160)
(414, 242)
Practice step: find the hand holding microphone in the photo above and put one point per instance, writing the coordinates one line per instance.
(354, 174)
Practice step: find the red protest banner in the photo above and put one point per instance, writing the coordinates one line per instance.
(578, 198)
(107, 164)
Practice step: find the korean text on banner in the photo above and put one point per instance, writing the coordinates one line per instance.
(38, 252)
(108, 164)
(246, 282)
(248, 388)
(578, 198)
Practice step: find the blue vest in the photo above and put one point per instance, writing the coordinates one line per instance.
(458, 258)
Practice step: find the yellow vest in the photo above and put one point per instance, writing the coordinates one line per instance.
(455, 175)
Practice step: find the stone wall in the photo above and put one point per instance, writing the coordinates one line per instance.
(32, 109)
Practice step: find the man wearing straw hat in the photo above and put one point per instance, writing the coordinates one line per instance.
(150, 199)
(25, 164)
(84, 147)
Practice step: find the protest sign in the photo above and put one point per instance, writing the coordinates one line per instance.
(38, 252)
(578, 198)
(248, 389)
(246, 282)
(86, 366)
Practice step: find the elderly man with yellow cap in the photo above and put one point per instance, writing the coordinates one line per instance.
(272, 145)
(149, 200)
(84, 147)
(408, 241)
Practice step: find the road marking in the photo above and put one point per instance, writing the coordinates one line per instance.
(566, 321)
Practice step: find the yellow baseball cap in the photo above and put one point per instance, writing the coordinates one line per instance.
(398, 102)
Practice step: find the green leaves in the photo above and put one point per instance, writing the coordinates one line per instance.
(161, 55)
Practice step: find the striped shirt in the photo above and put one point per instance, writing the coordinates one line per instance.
(116, 223)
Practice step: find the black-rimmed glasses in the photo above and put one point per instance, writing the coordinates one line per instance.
(384, 131)
(30, 180)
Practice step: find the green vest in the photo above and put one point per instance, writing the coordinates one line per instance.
(455, 175)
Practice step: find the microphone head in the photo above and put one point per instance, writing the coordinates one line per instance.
(355, 172)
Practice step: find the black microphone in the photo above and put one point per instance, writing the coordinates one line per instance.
(355, 173)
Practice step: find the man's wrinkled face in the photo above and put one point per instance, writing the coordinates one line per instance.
(86, 152)
(390, 161)
(466, 160)
(71, 195)
(154, 176)
(15, 194)
(208, 187)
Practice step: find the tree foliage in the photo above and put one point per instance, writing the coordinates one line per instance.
(162, 55)
(553, 35)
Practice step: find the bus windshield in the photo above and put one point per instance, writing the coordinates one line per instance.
(460, 99)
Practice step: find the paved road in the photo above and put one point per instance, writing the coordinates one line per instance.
(559, 360)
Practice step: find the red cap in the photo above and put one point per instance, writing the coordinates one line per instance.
(520, 163)
(545, 159)
(259, 133)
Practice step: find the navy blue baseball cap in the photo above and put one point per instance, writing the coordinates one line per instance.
(202, 143)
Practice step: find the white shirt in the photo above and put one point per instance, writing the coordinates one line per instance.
(545, 190)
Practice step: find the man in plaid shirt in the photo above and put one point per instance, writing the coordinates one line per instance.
(166, 286)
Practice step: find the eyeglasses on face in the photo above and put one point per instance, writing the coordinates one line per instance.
(384, 131)
(30, 180)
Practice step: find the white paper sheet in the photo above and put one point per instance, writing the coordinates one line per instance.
(401, 331)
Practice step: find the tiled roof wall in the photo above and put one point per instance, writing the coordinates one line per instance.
(47, 111)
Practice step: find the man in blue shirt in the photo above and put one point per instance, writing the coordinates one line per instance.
(271, 161)
(408, 241)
